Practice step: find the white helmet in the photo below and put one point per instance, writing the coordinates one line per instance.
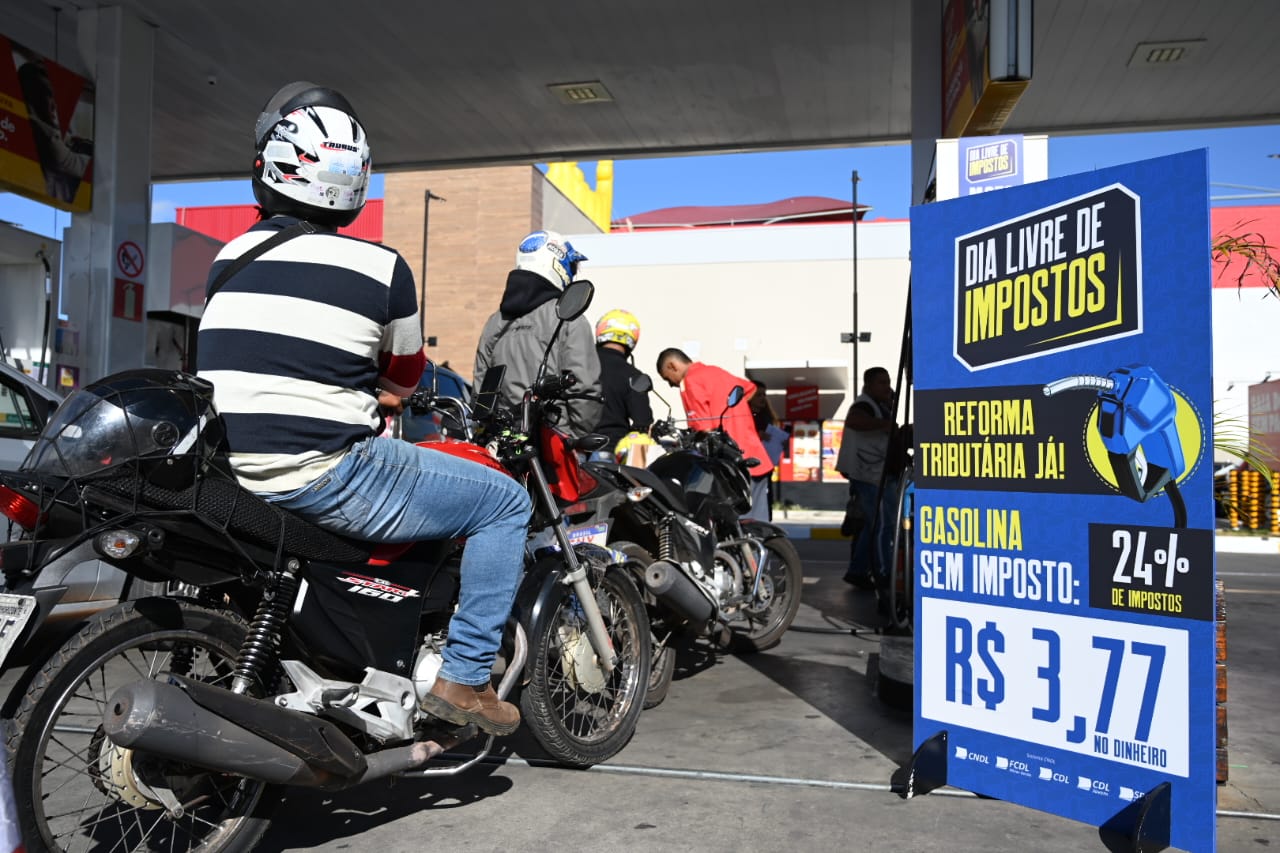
(550, 256)
(312, 156)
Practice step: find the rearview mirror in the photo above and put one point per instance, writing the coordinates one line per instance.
(575, 300)
(641, 383)
(487, 397)
(735, 396)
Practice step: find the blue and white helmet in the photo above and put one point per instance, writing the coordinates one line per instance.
(550, 256)
(312, 156)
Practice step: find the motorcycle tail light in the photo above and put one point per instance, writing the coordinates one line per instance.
(117, 544)
(20, 508)
(639, 493)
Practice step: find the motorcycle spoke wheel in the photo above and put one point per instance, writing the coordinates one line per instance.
(76, 791)
(771, 615)
(663, 656)
(661, 672)
(580, 714)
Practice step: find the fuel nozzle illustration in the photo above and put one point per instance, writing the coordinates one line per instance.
(1137, 424)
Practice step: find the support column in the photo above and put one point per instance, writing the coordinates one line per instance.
(926, 91)
(106, 260)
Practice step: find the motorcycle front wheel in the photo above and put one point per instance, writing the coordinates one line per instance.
(774, 608)
(75, 790)
(579, 713)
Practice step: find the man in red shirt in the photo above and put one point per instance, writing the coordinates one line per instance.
(704, 394)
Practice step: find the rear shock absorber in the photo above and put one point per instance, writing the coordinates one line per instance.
(666, 551)
(258, 651)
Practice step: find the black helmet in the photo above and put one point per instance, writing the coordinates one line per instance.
(311, 156)
(161, 422)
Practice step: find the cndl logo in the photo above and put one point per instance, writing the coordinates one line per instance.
(965, 755)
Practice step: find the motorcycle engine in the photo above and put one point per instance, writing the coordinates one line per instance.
(427, 667)
(727, 576)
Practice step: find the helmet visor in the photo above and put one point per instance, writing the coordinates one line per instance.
(86, 434)
(572, 257)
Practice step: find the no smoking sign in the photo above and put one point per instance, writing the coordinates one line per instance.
(130, 259)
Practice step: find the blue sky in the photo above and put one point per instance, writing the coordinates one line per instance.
(1241, 162)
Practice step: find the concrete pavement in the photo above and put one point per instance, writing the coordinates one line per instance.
(789, 750)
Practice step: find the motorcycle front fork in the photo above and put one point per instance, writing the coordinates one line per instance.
(576, 577)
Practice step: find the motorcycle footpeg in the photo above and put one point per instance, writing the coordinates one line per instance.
(431, 728)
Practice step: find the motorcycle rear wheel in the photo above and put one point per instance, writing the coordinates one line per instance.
(578, 713)
(663, 657)
(784, 575)
(75, 790)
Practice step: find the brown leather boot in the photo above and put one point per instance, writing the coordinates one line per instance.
(460, 704)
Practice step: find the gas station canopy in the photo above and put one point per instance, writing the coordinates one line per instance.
(504, 81)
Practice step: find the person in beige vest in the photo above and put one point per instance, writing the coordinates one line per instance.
(864, 449)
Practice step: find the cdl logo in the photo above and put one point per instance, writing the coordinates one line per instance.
(1131, 794)
(1049, 775)
(965, 755)
(1084, 783)
(1003, 763)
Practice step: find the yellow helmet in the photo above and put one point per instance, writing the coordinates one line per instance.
(619, 327)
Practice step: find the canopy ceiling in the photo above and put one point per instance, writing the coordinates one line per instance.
(449, 84)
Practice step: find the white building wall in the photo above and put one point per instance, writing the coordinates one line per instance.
(742, 295)
(1246, 348)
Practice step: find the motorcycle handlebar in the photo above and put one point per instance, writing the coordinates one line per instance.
(555, 385)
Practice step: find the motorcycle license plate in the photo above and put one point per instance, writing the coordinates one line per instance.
(15, 612)
(593, 534)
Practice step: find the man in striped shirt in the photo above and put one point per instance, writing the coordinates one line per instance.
(301, 345)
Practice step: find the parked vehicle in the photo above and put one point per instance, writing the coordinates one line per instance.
(78, 583)
(300, 659)
(25, 407)
(707, 571)
(442, 383)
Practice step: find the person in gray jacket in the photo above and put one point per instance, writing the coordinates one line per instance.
(517, 334)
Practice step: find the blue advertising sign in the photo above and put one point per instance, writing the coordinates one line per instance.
(990, 163)
(1064, 563)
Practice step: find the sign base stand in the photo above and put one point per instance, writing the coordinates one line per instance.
(927, 769)
(1143, 826)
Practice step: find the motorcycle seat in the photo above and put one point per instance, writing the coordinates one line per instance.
(223, 503)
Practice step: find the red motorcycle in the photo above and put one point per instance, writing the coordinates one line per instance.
(301, 657)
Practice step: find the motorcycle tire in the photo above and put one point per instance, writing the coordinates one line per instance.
(579, 714)
(75, 790)
(663, 657)
(785, 574)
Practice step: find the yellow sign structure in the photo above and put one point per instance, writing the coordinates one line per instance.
(596, 203)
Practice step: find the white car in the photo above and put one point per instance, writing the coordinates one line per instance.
(25, 407)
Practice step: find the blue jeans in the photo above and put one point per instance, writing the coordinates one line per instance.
(863, 561)
(386, 490)
(759, 498)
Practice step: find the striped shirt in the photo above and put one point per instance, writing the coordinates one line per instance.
(297, 345)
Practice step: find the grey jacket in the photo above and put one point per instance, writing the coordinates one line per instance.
(517, 334)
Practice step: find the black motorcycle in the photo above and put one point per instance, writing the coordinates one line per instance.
(301, 659)
(708, 572)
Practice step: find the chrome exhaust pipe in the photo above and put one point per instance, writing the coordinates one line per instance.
(674, 590)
